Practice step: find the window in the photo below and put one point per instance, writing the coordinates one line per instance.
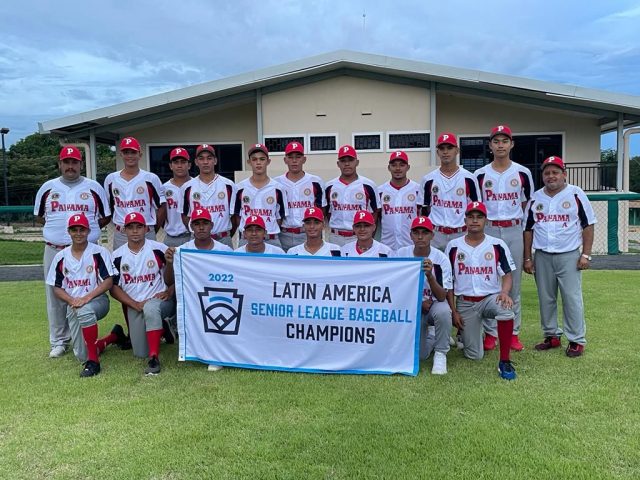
(323, 143)
(277, 143)
(370, 142)
(412, 141)
(229, 157)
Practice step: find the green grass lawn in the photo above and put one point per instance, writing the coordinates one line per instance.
(17, 252)
(562, 418)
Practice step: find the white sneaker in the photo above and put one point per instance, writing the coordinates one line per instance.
(459, 344)
(439, 364)
(57, 351)
(452, 341)
(214, 368)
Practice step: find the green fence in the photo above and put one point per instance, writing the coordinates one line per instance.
(612, 213)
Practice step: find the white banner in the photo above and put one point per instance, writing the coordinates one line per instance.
(297, 313)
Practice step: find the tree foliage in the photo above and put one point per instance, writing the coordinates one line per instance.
(609, 157)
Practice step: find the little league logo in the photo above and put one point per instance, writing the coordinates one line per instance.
(460, 192)
(196, 195)
(221, 310)
(307, 192)
(386, 198)
(270, 200)
(435, 189)
(359, 196)
(334, 195)
(84, 195)
(461, 256)
(89, 268)
(488, 256)
(55, 196)
(514, 182)
(168, 193)
(488, 184)
(116, 192)
(246, 199)
(124, 267)
(411, 197)
(221, 195)
(539, 207)
(566, 205)
(151, 264)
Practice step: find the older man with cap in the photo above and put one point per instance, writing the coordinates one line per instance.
(400, 202)
(55, 201)
(436, 312)
(560, 226)
(314, 245)
(133, 189)
(302, 191)
(176, 231)
(347, 194)
(364, 227)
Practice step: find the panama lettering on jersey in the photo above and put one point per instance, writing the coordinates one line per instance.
(305, 193)
(140, 274)
(377, 250)
(448, 197)
(217, 197)
(503, 193)
(173, 194)
(343, 200)
(441, 269)
(143, 193)
(399, 206)
(268, 202)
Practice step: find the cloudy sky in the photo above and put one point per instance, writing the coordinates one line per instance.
(69, 56)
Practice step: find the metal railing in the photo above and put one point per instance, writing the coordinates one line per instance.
(593, 176)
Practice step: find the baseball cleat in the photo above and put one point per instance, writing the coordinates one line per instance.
(57, 351)
(439, 364)
(90, 369)
(548, 343)
(515, 343)
(506, 370)
(574, 350)
(489, 342)
(122, 338)
(214, 368)
(167, 333)
(452, 341)
(153, 367)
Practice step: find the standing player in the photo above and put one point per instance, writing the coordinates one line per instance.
(176, 231)
(347, 194)
(364, 227)
(447, 192)
(80, 275)
(55, 200)
(482, 267)
(436, 312)
(314, 245)
(261, 196)
(559, 225)
(505, 187)
(255, 232)
(211, 192)
(302, 191)
(141, 289)
(400, 201)
(133, 189)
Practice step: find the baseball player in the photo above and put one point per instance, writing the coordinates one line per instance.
(313, 225)
(302, 191)
(481, 267)
(364, 227)
(436, 312)
(261, 196)
(347, 194)
(560, 226)
(505, 187)
(141, 289)
(447, 191)
(400, 202)
(212, 192)
(255, 233)
(80, 276)
(55, 200)
(176, 231)
(133, 189)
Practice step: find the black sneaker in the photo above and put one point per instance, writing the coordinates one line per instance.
(90, 369)
(153, 367)
(122, 338)
(126, 341)
(167, 333)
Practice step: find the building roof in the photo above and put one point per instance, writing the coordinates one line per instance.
(108, 122)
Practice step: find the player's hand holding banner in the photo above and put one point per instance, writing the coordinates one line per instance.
(305, 314)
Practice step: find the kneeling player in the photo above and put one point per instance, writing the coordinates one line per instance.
(436, 312)
(255, 233)
(314, 245)
(141, 289)
(482, 267)
(81, 274)
(364, 227)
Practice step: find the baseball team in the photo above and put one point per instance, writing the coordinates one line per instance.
(476, 233)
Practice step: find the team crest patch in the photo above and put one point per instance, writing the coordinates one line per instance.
(116, 192)
(221, 310)
(55, 196)
(151, 264)
(488, 184)
(359, 196)
(84, 195)
(386, 198)
(411, 197)
(245, 199)
(307, 192)
(124, 267)
(461, 257)
(89, 268)
(460, 191)
(66, 271)
(566, 205)
(539, 207)
(435, 189)
(140, 190)
(196, 195)
(270, 200)
(220, 195)
(515, 182)
(334, 195)
(488, 256)
(168, 193)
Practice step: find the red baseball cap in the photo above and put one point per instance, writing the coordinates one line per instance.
(476, 207)
(447, 138)
(179, 152)
(258, 147)
(129, 143)
(347, 151)
(205, 147)
(422, 222)
(362, 216)
(134, 217)
(294, 147)
(501, 130)
(70, 152)
(255, 220)
(557, 161)
(313, 212)
(200, 214)
(399, 155)
(78, 220)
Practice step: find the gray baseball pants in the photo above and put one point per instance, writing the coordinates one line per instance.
(439, 316)
(154, 311)
(288, 239)
(59, 333)
(472, 314)
(85, 316)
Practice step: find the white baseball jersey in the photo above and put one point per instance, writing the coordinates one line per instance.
(557, 222)
(217, 197)
(80, 277)
(268, 202)
(441, 269)
(399, 206)
(503, 193)
(56, 201)
(477, 271)
(448, 197)
(143, 193)
(217, 246)
(377, 250)
(141, 273)
(327, 250)
(173, 194)
(268, 248)
(345, 199)
(305, 193)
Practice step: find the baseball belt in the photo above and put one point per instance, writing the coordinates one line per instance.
(219, 235)
(292, 230)
(449, 230)
(57, 247)
(343, 233)
(505, 223)
(469, 298)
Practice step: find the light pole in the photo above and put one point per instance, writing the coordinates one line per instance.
(4, 131)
